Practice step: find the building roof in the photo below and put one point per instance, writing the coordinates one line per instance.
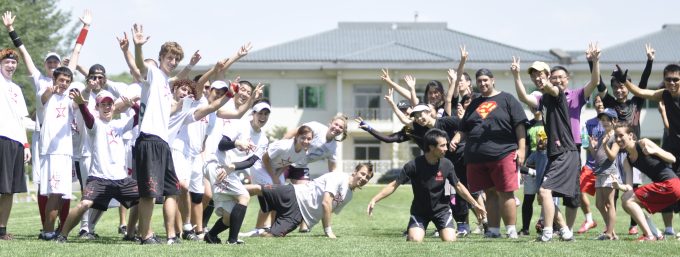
(369, 42)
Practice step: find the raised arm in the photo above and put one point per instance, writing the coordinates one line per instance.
(648, 94)
(206, 76)
(405, 120)
(124, 44)
(139, 39)
(184, 73)
(402, 91)
(411, 83)
(650, 52)
(8, 20)
(397, 137)
(86, 19)
(594, 51)
(241, 110)
(519, 86)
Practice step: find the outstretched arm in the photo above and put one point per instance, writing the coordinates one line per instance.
(405, 120)
(8, 20)
(648, 66)
(401, 90)
(519, 86)
(385, 192)
(462, 191)
(454, 79)
(129, 58)
(86, 19)
(594, 51)
(139, 39)
(184, 73)
(621, 77)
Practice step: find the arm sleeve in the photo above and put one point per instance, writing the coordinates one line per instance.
(645, 74)
(87, 116)
(247, 163)
(226, 144)
(396, 137)
(136, 117)
(601, 87)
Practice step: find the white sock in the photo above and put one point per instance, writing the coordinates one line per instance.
(548, 232)
(187, 227)
(510, 229)
(589, 217)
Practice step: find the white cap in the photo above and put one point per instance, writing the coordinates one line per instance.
(102, 95)
(218, 84)
(52, 54)
(261, 106)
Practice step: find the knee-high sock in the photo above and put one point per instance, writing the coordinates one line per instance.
(218, 228)
(42, 201)
(84, 225)
(208, 211)
(527, 211)
(63, 212)
(236, 220)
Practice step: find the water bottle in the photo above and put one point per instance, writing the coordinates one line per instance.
(585, 140)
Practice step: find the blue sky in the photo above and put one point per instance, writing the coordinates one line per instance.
(218, 28)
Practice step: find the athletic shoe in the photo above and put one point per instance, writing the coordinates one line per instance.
(237, 242)
(633, 230)
(463, 229)
(173, 241)
(587, 226)
(61, 239)
(669, 233)
(89, 236)
(306, 230)
(567, 235)
(435, 233)
(82, 233)
(524, 232)
(677, 236)
(122, 230)
(517, 201)
(543, 239)
(512, 235)
(189, 235)
(478, 229)
(49, 236)
(7, 237)
(150, 241)
(135, 239)
(201, 235)
(490, 234)
(646, 238)
(211, 239)
(539, 227)
(605, 237)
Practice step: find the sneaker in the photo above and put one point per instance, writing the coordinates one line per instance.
(173, 241)
(490, 234)
(567, 235)
(543, 239)
(61, 239)
(523, 232)
(82, 233)
(669, 233)
(306, 230)
(190, 235)
(89, 236)
(122, 230)
(463, 229)
(135, 239)
(633, 230)
(150, 241)
(604, 237)
(211, 239)
(201, 235)
(49, 236)
(646, 238)
(512, 235)
(435, 233)
(517, 202)
(539, 227)
(587, 226)
(7, 237)
(253, 233)
(237, 242)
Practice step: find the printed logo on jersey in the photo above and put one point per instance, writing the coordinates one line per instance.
(485, 108)
(111, 137)
(439, 176)
(60, 111)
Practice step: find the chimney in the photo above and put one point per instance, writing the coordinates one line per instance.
(562, 55)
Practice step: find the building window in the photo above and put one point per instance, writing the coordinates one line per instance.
(366, 149)
(367, 100)
(265, 90)
(311, 96)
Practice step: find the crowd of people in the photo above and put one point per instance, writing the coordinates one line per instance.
(167, 139)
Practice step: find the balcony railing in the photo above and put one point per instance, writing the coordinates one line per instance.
(380, 167)
(372, 113)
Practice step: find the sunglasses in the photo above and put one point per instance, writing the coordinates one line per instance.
(96, 78)
(671, 79)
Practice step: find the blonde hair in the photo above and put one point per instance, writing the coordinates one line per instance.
(340, 116)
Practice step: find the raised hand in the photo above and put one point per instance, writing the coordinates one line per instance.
(463, 54)
(86, 19)
(127, 101)
(593, 51)
(195, 58)
(650, 52)
(259, 90)
(385, 75)
(8, 20)
(410, 81)
(138, 34)
(362, 123)
(452, 74)
(514, 67)
(243, 51)
(123, 42)
(221, 64)
(76, 96)
(388, 96)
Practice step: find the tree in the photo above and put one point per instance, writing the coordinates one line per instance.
(38, 23)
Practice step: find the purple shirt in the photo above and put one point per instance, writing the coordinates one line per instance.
(575, 102)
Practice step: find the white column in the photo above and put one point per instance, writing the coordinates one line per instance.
(338, 93)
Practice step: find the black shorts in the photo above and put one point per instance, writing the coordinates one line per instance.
(12, 178)
(154, 167)
(298, 173)
(100, 191)
(281, 198)
(442, 219)
(562, 174)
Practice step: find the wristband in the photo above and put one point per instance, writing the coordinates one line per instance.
(82, 36)
(15, 38)
(234, 87)
(27, 145)
(363, 123)
(328, 230)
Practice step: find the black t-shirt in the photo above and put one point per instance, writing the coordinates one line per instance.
(449, 124)
(428, 182)
(489, 124)
(673, 113)
(558, 124)
(628, 111)
(656, 169)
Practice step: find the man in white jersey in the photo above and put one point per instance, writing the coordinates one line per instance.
(107, 176)
(242, 146)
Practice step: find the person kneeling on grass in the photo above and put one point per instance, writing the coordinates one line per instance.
(310, 202)
(107, 176)
(427, 174)
(664, 190)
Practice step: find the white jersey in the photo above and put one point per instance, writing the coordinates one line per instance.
(242, 130)
(189, 140)
(310, 195)
(282, 154)
(132, 91)
(11, 126)
(17, 97)
(156, 101)
(108, 157)
(216, 128)
(57, 126)
(319, 148)
(41, 83)
(179, 120)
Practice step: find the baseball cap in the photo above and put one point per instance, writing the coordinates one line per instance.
(52, 55)
(218, 84)
(419, 108)
(103, 95)
(609, 112)
(403, 104)
(539, 66)
(261, 106)
(96, 69)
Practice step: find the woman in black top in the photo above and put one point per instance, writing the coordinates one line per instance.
(654, 162)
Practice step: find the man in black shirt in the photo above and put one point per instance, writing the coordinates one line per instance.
(427, 174)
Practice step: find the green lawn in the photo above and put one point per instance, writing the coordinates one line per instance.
(358, 235)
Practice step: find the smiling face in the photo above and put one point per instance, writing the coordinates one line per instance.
(52, 64)
(671, 81)
(169, 62)
(361, 176)
(105, 108)
(304, 140)
(599, 106)
(434, 96)
(244, 92)
(624, 137)
(8, 66)
(336, 128)
(620, 91)
(559, 78)
(260, 119)
(62, 82)
(538, 77)
(485, 85)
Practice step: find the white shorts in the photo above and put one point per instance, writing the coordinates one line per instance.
(182, 165)
(605, 180)
(196, 182)
(261, 177)
(225, 192)
(35, 156)
(57, 171)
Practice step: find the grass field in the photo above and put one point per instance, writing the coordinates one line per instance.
(358, 235)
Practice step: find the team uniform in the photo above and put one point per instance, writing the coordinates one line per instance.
(304, 202)
(188, 143)
(40, 82)
(284, 161)
(319, 148)
(56, 148)
(12, 140)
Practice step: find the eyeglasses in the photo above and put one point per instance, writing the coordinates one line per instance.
(96, 78)
(671, 79)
